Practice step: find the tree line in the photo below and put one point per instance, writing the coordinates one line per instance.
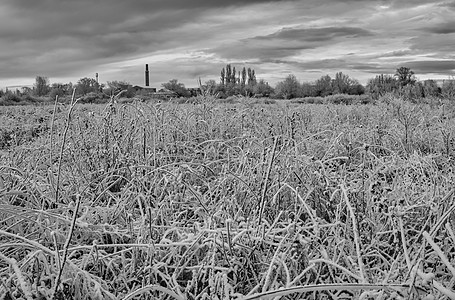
(244, 82)
(84, 86)
(402, 83)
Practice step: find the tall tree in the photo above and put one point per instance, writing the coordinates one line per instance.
(404, 76)
(228, 74)
(381, 85)
(233, 81)
(431, 88)
(177, 87)
(289, 88)
(60, 89)
(341, 83)
(210, 87)
(323, 86)
(243, 77)
(253, 77)
(307, 90)
(223, 76)
(116, 86)
(87, 85)
(263, 89)
(41, 87)
(448, 88)
(356, 88)
(251, 81)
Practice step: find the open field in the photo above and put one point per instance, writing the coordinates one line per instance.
(227, 201)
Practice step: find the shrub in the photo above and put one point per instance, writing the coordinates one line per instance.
(229, 100)
(365, 99)
(448, 89)
(336, 99)
(184, 100)
(348, 99)
(29, 98)
(11, 99)
(269, 101)
(309, 100)
(56, 92)
(94, 98)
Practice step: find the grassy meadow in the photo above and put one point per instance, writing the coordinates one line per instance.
(255, 199)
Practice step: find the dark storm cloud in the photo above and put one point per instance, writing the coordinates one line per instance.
(440, 44)
(132, 5)
(374, 68)
(79, 19)
(325, 34)
(323, 64)
(431, 66)
(69, 36)
(347, 64)
(449, 4)
(188, 39)
(287, 42)
(56, 36)
(442, 28)
(332, 66)
(412, 3)
(178, 4)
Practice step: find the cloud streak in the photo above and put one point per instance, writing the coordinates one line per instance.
(288, 42)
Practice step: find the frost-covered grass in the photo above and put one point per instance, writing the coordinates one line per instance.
(228, 201)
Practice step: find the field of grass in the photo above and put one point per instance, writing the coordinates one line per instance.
(249, 200)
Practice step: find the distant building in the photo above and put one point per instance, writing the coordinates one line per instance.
(20, 88)
(164, 94)
(440, 82)
(144, 91)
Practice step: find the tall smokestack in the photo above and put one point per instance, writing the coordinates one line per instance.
(146, 75)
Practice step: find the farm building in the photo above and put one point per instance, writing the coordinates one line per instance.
(144, 91)
(164, 94)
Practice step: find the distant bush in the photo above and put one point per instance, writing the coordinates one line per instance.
(336, 99)
(232, 99)
(348, 99)
(365, 99)
(267, 101)
(309, 100)
(34, 100)
(11, 97)
(124, 100)
(56, 92)
(95, 98)
(229, 100)
(184, 100)
(448, 89)
(142, 98)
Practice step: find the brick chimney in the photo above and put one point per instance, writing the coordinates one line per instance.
(147, 75)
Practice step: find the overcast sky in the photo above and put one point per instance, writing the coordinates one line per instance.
(186, 39)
